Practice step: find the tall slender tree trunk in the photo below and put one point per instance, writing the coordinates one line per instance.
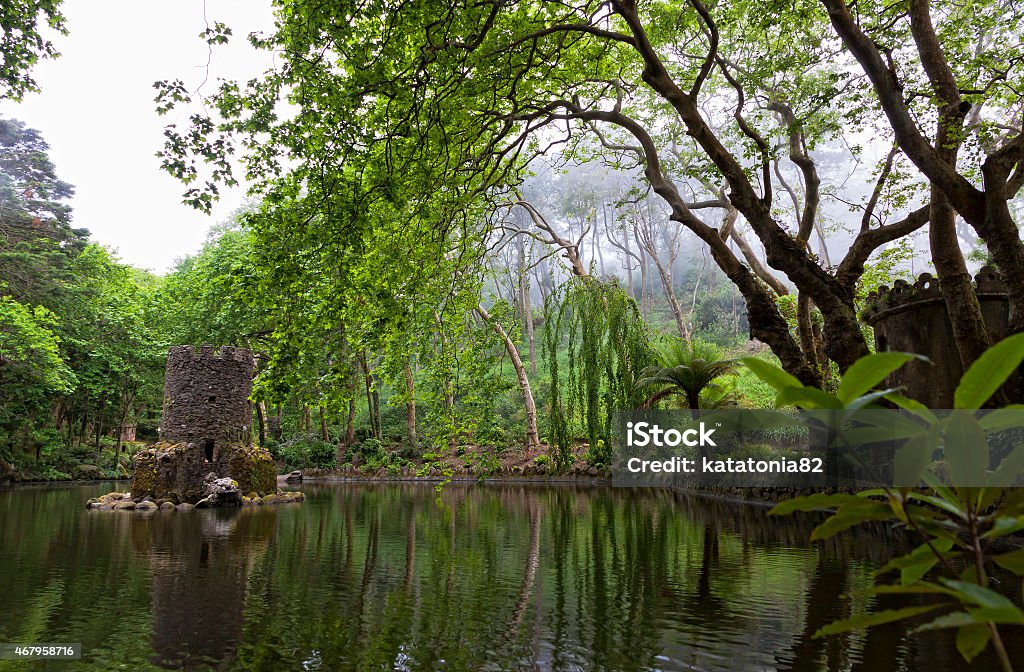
(372, 399)
(629, 267)
(410, 406)
(525, 305)
(324, 434)
(665, 273)
(261, 419)
(645, 308)
(350, 427)
(532, 436)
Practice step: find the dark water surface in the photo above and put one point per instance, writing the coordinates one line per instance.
(397, 577)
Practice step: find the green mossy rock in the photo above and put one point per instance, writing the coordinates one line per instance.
(253, 467)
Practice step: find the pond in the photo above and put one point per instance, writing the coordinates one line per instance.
(481, 577)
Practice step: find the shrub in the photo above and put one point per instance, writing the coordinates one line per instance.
(306, 452)
(371, 448)
(322, 455)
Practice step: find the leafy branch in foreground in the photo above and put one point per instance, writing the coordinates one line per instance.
(959, 526)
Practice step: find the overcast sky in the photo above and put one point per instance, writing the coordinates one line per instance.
(97, 113)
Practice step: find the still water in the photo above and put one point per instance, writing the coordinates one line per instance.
(398, 577)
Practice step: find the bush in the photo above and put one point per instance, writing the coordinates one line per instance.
(307, 452)
(370, 449)
(322, 455)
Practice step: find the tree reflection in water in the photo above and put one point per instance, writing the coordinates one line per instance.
(497, 577)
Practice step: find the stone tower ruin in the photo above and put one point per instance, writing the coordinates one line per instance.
(206, 398)
(913, 318)
(205, 452)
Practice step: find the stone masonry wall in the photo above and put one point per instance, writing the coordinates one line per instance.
(206, 397)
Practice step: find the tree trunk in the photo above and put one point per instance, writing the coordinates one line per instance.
(962, 304)
(261, 420)
(525, 305)
(644, 299)
(410, 406)
(324, 434)
(376, 415)
(350, 427)
(368, 380)
(670, 294)
(532, 436)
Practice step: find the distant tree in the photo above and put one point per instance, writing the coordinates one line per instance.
(30, 191)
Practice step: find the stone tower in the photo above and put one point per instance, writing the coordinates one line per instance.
(205, 435)
(913, 318)
(206, 398)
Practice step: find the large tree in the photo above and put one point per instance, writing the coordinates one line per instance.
(704, 99)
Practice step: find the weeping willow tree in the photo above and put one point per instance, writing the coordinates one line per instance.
(607, 344)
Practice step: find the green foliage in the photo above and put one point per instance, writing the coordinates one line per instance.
(607, 345)
(955, 524)
(307, 452)
(80, 351)
(27, 28)
(371, 449)
(688, 370)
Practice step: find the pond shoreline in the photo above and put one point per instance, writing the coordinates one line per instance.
(754, 496)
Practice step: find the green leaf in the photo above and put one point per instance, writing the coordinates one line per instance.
(866, 400)
(989, 372)
(914, 406)
(770, 374)
(920, 588)
(914, 565)
(849, 515)
(867, 372)
(913, 458)
(966, 450)
(1001, 419)
(939, 502)
(807, 397)
(972, 640)
(1005, 526)
(812, 503)
(944, 492)
(861, 621)
(1013, 561)
(957, 619)
(1009, 469)
(980, 595)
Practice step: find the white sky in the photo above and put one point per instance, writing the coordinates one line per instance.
(96, 111)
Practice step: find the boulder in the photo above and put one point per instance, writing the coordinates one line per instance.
(125, 505)
(146, 505)
(219, 492)
(184, 506)
(167, 506)
(254, 469)
(294, 477)
(172, 471)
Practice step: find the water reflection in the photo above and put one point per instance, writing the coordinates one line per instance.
(399, 577)
(199, 566)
